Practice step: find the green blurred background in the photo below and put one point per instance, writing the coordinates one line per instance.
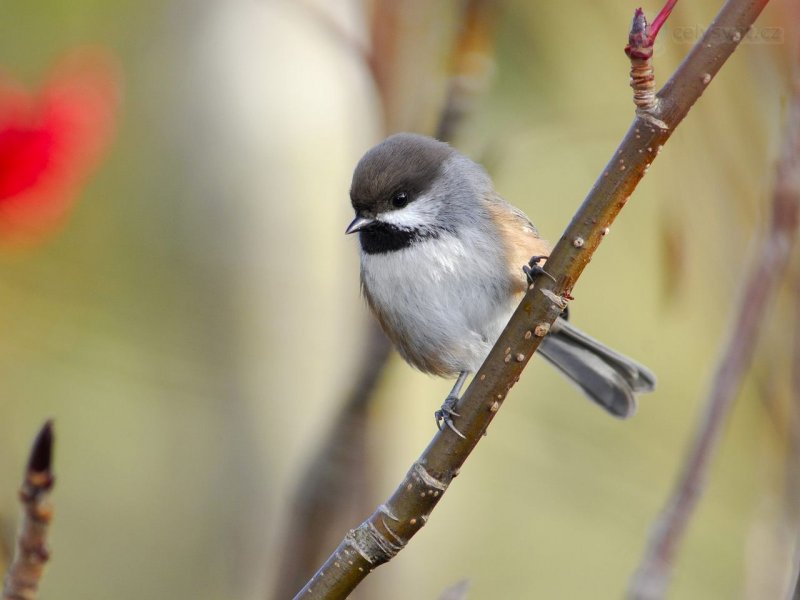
(194, 324)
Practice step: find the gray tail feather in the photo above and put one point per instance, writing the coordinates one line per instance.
(607, 377)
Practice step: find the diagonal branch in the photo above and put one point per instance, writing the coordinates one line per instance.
(758, 290)
(25, 572)
(392, 525)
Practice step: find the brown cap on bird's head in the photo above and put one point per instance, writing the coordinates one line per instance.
(395, 171)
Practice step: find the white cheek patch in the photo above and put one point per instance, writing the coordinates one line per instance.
(421, 213)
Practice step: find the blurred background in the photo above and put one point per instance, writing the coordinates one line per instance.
(177, 293)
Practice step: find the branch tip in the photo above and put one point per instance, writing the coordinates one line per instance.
(639, 44)
(31, 555)
(642, 36)
(641, 39)
(639, 24)
(42, 450)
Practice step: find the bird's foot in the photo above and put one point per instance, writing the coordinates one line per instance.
(444, 416)
(532, 269)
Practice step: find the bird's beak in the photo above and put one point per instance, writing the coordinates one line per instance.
(358, 224)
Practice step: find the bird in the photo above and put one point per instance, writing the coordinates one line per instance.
(445, 261)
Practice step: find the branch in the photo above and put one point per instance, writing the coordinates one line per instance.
(25, 572)
(392, 525)
(758, 290)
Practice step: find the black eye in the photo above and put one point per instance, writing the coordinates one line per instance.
(400, 199)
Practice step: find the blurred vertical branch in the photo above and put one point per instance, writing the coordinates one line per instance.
(792, 496)
(380, 59)
(758, 290)
(472, 64)
(6, 541)
(332, 494)
(25, 572)
(334, 485)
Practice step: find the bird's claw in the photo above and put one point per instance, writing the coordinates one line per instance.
(444, 416)
(532, 269)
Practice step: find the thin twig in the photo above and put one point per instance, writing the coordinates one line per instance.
(387, 531)
(25, 572)
(758, 290)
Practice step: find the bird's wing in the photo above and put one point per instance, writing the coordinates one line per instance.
(520, 238)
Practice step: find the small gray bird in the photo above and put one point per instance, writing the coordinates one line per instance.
(444, 263)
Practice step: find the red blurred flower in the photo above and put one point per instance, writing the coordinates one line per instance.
(51, 141)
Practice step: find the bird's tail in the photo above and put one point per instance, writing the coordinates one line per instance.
(607, 377)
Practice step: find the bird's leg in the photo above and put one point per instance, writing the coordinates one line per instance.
(532, 269)
(444, 416)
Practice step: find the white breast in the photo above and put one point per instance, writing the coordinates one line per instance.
(443, 300)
